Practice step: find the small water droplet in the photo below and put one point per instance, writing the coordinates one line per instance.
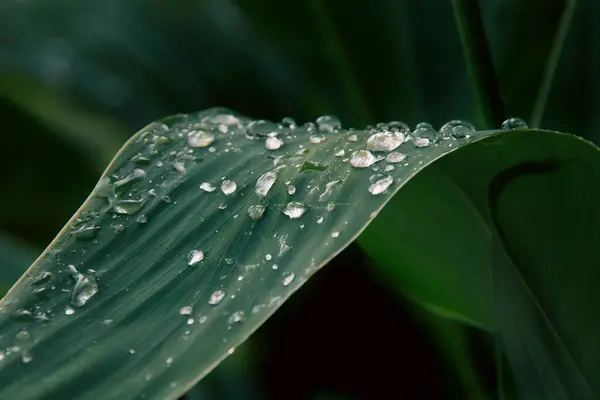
(117, 228)
(265, 182)
(26, 357)
(456, 129)
(186, 310)
(315, 139)
(288, 277)
(340, 152)
(330, 207)
(335, 234)
(228, 187)
(194, 257)
(131, 351)
(237, 316)
(424, 135)
(273, 143)
(295, 209)
(352, 138)
(190, 321)
(256, 212)
(200, 138)
(362, 159)
(385, 141)
(328, 123)
(69, 311)
(291, 189)
(268, 257)
(284, 247)
(319, 220)
(216, 297)
(379, 183)
(203, 319)
(169, 361)
(395, 157)
(142, 219)
(514, 123)
(207, 187)
(222, 206)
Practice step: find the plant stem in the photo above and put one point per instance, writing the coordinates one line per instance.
(553, 59)
(479, 61)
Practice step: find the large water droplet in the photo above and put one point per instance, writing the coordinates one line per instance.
(207, 187)
(457, 129)
(295, 209)
(328, 123)
(200, 138)
(385, 141)
(362, 159)
(216, 297)
(135, 175)
(514, 123)
(256, 212)
(265, 182)
(288, 277)
(424, 135)
(237, 316)
(194, 257)
(273, 143)
(379, 183)
(260, 128)
(86, 286)
(228, 187)
(395, 157)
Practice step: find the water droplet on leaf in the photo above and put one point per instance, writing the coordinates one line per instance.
(456, 129)
(295, 209)
(288, 277)
(514, 123)
(207, 187)
(273, 143)
(379, 183)
(362, 159)
(256, 212)
(395, 157)
(228, 187)
(216, 297)
(237, 316)
(385, 141)
(194, 257)
(200, 138)
(265, 182)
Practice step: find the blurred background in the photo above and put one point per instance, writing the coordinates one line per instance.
(78, 78)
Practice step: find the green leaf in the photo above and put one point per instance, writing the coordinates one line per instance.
(498, 234)
(115, 291)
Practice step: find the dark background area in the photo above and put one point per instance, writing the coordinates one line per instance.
(78, 78)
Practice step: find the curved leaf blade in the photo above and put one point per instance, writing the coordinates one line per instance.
(159, 321)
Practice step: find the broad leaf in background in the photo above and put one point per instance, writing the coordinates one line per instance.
(536, 193)
(201, 226)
